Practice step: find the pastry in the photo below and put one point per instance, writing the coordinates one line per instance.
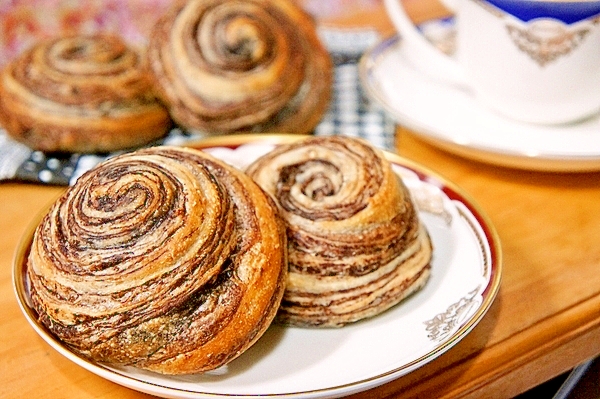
(164, 258)
(80, 94)
(356, 245)
(240, 66)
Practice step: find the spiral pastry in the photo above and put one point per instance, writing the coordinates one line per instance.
(356, 246)
(80, 94)
(241, 66)
(165, 259)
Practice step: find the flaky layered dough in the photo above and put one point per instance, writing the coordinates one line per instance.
(80, 94)
(241, 66)
(356, 244)
(165, 259)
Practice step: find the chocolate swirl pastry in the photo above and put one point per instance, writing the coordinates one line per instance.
(241, 66)
(356, 246)
(80, 94)
(165, 259)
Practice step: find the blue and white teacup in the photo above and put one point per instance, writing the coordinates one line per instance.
(535, 61)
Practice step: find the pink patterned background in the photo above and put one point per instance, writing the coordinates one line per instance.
(23, 22)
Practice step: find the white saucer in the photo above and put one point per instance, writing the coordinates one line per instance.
(450, 118)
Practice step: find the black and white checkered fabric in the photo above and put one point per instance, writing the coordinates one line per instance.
(350, 113)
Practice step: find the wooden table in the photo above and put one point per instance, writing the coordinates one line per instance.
(545, 320)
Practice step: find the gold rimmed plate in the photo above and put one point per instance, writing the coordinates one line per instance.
(320, 363)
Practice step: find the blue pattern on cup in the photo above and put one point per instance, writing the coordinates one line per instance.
(567, 12)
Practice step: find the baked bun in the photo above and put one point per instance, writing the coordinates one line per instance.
(165, 259)
(227, 66)
(356, 246)
(80, 94)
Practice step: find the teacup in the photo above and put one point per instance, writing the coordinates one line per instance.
(536, 61)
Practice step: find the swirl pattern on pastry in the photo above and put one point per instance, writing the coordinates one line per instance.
(165, 259)
(241, 66)
(81, 94)
(356, 245)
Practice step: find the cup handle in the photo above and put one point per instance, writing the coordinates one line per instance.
(420, 52)
(449, 4)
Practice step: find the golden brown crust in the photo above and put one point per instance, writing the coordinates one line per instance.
(80, 94)
(356, 245)
(231, 66)
(164, 258)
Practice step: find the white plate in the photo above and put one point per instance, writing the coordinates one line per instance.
(311, 363)
(450, 118)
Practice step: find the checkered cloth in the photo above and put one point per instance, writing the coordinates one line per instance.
(350, 114)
